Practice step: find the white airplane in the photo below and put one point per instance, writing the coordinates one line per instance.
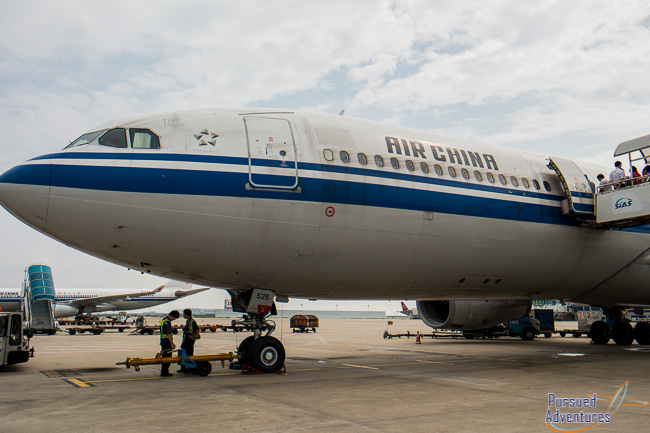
(281, 203)
(410, 312)
(72, 302)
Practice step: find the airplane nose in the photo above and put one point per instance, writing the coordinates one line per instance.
(25, 192)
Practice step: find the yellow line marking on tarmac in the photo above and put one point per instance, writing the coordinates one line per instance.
(361, 366)
(79, 383)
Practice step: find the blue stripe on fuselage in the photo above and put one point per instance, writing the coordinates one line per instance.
(223, 183)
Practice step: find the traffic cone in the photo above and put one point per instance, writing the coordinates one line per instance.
(417, 339)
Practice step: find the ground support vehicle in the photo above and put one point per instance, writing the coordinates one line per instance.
(95, 329)
(526, 328)
(14, 340)
(151, 329)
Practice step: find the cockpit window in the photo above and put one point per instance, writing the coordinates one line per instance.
(84, 139)
(143, 139)
(114, 138)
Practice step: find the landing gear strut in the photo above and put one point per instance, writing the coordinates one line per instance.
(261, 352)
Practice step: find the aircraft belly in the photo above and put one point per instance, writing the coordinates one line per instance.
(338, 251)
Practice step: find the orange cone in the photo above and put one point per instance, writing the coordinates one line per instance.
(417, 339)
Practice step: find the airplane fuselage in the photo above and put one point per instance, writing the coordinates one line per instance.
(10, 300)
(321, 206)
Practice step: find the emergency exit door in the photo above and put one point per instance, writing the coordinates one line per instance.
(271, 153)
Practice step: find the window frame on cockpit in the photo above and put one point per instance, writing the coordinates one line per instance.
(154, 141)
(120, 146)
(87, 138)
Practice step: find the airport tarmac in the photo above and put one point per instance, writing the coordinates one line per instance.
(345, 378)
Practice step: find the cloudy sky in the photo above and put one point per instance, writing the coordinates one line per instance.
(566, 78)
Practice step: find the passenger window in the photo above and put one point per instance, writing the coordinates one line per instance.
(114, 138)
(379, 161)
(424, 167)
(394, 163)
(465, 173)
(514, 181)
(452, 171)
(525, 183)
(363, 160)
(144, 139)
(328, 155)
(345, 157)
(503, 179)
(490, 177)
(409, 165)
(438, 169)
(536, 184)
(477, 175)
(547, 186)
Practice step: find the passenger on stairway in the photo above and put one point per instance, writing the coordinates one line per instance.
(604, 184)
(636, 176)
(617, 175)
(646, 173)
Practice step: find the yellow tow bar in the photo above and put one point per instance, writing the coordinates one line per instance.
(199, 363)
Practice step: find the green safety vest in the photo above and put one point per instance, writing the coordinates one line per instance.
(162, 323)
(190, 329)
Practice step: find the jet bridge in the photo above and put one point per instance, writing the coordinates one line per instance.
(621, 205)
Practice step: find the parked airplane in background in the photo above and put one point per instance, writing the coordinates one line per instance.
(72, 302)
(411, 312)
(273, 204)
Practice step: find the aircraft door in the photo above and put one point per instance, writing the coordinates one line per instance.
(580, 195)
(271, 153)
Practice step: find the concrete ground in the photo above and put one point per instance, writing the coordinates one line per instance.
(344, 378)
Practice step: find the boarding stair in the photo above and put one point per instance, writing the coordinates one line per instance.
(622, 205)
(38, 298)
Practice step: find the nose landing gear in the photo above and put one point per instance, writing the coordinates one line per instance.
(263, 353)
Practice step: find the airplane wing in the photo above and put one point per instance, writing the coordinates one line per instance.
(182, 293)
(109, 298)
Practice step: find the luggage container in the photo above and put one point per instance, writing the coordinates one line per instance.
(304, 322)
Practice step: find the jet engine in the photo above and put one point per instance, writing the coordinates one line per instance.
(65, 311)
(470, 315)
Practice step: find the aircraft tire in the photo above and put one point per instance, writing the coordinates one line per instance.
(600, 332)
(243, 349)
(623, 333)
(527, 334)
(642, 333)
(266, 354)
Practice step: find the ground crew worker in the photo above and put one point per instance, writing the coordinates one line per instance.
(167, 340)
(191, 333)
